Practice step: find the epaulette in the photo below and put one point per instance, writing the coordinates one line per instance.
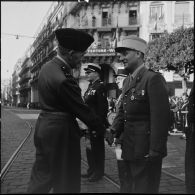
(66, 74)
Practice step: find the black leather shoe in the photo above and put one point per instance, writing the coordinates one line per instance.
(95, 178)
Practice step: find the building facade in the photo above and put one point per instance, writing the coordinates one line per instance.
(159, 16)
(108, 22)
(25, 88)
(15, 83)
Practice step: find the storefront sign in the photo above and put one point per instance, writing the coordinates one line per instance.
(110, 50)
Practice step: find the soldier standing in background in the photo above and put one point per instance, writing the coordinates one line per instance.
(120, 76)
(143, 118)
(57, 134)
(96, 98)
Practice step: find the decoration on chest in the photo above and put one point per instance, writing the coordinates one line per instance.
(91, 92)
(135, 93)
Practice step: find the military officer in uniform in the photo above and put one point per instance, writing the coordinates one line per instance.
(143, 118)
(96, 98)
(57, 134)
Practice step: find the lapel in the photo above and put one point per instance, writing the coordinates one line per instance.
(134, 82)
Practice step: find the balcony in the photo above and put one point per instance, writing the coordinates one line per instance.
(24, 78)
(24, 87)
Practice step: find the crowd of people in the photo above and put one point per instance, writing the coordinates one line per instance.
(179, 110)
(140, 127)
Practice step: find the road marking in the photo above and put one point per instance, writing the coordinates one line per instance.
(28, 116)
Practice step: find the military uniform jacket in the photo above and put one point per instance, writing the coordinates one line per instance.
(95, 97)
(60, 92)
(143, 116)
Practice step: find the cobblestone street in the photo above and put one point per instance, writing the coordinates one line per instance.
(17, 178)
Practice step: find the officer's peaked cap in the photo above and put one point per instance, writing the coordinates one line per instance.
(121, 72)
(73, 39)
(92, 67)
(132, 42)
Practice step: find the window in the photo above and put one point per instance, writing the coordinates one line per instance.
(104, 17)
(156, 12)
(181, 12)
(133, 17)
(93, 21)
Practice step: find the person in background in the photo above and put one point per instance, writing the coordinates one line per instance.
(119, 77)
(190, 147)
(96, 98)
(143, 118)
(57, 134)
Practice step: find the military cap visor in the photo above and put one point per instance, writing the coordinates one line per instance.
(93, 68)
(120, 72)
(132, 43)
(73, 39)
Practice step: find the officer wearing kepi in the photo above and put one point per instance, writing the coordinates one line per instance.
(96, 98)
(57, 134)
(143, 118)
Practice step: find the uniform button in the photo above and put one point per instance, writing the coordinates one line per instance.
(125, 120)
(124, 103)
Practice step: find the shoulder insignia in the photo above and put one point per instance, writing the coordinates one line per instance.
(66, 74)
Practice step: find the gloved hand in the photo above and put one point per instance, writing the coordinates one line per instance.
(109, 136)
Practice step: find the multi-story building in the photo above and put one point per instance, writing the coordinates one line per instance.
(25, 76)
(159, 16)
(156, 17)
(44, 49)
(6, 97)
(15, 83)
(108, 22)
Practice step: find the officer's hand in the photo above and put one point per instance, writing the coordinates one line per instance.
(153, 155)
(109, 136)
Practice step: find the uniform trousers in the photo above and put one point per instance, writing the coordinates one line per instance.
(58, 157)
(96, 156)
(142, 176)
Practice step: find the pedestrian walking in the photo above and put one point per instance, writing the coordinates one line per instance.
(143, 118)
(96, 98)
(190, 147)
(57, 134)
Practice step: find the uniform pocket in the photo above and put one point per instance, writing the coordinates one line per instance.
(141, 144)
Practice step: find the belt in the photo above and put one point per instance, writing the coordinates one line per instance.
(65, 114)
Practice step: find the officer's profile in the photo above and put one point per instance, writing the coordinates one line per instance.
(57, 134)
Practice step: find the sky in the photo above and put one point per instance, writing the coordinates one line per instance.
(23, 18)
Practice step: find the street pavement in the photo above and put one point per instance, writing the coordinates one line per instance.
(14, 130)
